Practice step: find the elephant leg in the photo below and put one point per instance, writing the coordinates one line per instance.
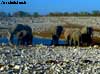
(77, 43)
(74, 42)
(66, 42)
(54, 40)
(90, 41)
(71, 42)
(20, 42)
(80, 41)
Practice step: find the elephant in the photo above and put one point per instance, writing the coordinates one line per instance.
(59, 30)
(72, 36)
(82, 36)
(23, 34)
(56, 35)
(67, 35)
(78, 36)
(86, 35)
(75, 38)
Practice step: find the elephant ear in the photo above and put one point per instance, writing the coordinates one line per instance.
(21, 34)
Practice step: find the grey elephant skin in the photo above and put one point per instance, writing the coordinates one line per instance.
(23, 34)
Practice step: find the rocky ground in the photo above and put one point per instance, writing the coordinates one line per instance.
(41, 59)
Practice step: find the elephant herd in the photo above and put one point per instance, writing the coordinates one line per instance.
(24, 36)
(73, 36)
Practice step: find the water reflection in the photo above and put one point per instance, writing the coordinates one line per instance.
(35, 40)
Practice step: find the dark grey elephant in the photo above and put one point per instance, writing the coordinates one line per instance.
(23, 33)
(86, 35)
(56, 35)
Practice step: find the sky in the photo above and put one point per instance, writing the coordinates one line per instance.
(46, 6)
